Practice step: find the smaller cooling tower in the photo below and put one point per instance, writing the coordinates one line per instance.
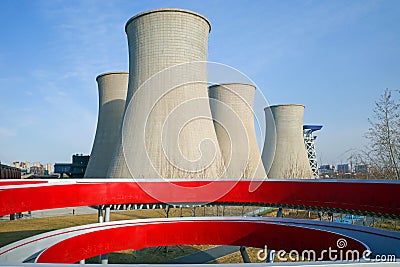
(284, 154)
(113, 88)
(232, 110)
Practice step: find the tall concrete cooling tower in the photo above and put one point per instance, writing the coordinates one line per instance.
(284, 153)
(168, 129)
(232, 107)
(113, 87)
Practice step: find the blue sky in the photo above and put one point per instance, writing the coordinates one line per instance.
(335, 57)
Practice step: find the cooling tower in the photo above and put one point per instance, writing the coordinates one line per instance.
(113, 88)
(284, 153)
(232, 110)
(167, 129)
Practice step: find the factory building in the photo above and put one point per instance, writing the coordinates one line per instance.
(112, 87)
(284, 154)
(162, 120)
(232, 110)
(168, 129)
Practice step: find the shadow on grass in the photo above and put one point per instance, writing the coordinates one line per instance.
(148, 255)
(10, 237)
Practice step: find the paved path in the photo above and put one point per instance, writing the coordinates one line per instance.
(54, 212)
(206, 256)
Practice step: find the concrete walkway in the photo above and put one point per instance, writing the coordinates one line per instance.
(54, 213)
(206, 256)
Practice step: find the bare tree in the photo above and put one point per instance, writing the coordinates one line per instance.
(383, 152)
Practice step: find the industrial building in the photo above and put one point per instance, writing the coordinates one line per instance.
(284, 154)
(8, 172)
(168, 129)
(309, 141)
(162, 120)
(112, 87)
(76, 169)
(232, 110)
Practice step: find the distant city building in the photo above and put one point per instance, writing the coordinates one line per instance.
(9, 172)
(344, 168)
(326, 171)
(76, 169)
(344, 171)
(49, 168)
(361, 168)
(38, 168)
(79, 164)
(37, 164)
(62, 168)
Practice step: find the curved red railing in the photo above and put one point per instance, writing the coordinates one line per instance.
(219, 232)
(348, 196)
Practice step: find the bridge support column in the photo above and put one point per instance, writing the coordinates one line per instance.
(279, 214)
(107, 214)
(100, 214)
(107, 211)
(244, 254)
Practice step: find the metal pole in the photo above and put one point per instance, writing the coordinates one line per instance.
(100, 214)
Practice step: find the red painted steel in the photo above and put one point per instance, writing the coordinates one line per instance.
(377, 197)
(20, 182)
(217, 232)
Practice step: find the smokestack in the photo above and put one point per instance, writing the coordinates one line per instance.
(168, 129)
(232, 107)
(284, 153)
(112, 88)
